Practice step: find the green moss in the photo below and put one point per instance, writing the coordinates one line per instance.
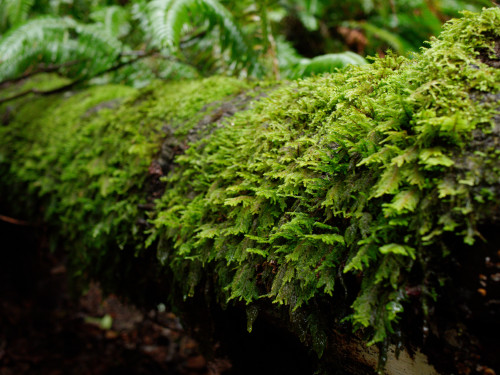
(368, 171)
(357, 172)
(41, 82)
(86, 157)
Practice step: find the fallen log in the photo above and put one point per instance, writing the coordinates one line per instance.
(365, 201)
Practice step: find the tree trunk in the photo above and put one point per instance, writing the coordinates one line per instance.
(336, 218)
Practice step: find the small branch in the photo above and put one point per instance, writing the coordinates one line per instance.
(135, 53)
(74, 83)
(41, 69)
(13, 221)
(138, 56)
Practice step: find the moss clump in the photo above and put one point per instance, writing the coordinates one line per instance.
(372, 171)
(86, 157)
(364, 171)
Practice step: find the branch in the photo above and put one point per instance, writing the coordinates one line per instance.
(41, 69)
(74, 83)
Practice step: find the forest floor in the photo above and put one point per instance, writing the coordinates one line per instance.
(46, 331)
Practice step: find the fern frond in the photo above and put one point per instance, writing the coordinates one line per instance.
(232, 37)
(293, 65)
(97, 48)
(328, 63)
(53, 40)
(14, 12)
(33, 33)
(114, 19)
(167, 18)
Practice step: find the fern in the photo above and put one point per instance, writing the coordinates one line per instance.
(167, 18)
(14, 12)
(293, 65)
(53, 40)
(327, 63)
(114, 19)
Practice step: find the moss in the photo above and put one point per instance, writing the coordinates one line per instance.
(358, 172)
(366, 172)
(86, 157)
(42, 82)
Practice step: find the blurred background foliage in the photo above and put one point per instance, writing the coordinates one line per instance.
(137, 41)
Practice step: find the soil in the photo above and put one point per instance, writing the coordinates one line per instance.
(44, 330)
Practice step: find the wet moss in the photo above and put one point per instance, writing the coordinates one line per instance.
(84, 157)
(366, 173)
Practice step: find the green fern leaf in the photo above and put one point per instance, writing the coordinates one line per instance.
(14, 12)
(114, 20)
(167, 18)
(56, 41)
(327, 63)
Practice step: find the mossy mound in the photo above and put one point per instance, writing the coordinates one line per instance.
(372, 174)
(85, 158)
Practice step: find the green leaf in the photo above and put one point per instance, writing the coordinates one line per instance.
(327, 63)
(329, 239)
(405, 200)
(49, 40)
(388, 182)
(167, 18)
(260, 252)
(434, 156)
(394, 248)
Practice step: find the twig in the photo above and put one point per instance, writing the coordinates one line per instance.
(138, 56)
(41, 69)
(74, 83)
(13, 221)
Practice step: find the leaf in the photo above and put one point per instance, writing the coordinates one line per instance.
(207, 231)
(329, 239)
(394, 248)
(49, 40)
(408, 156)
(114, 20)
(414, 176)
(244, 200)
(433, 156)
(260, 252)
(14, 12)
(388, 182)
(167, 17)
(405, 200)
(362, 259)
(447, 187)
(327, 63)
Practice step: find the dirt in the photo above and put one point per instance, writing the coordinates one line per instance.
(44, 330)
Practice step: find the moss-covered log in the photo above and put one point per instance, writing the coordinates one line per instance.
(365, 200)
